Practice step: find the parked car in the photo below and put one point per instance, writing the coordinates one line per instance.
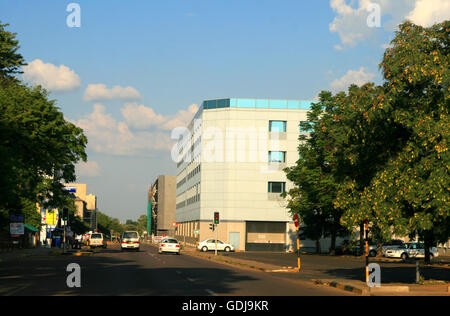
(373, 247)
(210, 244)
(130, 240)
(169, 245)
(393, 244)
(97, 240)
(411, 250)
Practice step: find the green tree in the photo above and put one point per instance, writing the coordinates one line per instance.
(10, 60)
(407, 184)
(142, 224)
(314, 175)
(38, 147)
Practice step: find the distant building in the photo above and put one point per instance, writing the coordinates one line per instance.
(163, 192)
(232, 162)
(86, 204)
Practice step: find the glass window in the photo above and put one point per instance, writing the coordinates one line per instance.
(130, 235)
(277, 126)
(277, 187)
(277, 156)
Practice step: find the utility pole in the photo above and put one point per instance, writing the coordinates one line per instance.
(296, 221)
(366, 230)
(216, 222)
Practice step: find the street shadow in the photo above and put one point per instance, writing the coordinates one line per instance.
(393, 274)
(112, 276)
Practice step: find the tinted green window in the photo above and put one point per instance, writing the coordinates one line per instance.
(277, 187)
(277, 126)
(277, 156)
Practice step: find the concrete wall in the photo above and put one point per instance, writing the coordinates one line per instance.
(237, 185)
(166, 201)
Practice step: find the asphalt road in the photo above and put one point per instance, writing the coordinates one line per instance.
(112, 272)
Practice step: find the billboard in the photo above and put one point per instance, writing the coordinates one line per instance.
(16, 229)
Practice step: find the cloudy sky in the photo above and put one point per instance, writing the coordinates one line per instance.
(135, 70)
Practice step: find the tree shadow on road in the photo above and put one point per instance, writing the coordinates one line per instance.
(393, 274)
(114, 276)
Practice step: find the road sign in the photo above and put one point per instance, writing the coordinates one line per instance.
(296, 220)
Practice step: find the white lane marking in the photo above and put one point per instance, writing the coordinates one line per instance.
(190, 280)
(178, 272)
(210, 292)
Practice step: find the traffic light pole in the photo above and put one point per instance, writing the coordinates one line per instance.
(298, 250)
(366, 228)
(216, 238)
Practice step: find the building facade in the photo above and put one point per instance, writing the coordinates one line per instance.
(163, 204)
(230, 160)
(86, 204)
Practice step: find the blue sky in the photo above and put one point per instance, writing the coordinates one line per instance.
(176, 53)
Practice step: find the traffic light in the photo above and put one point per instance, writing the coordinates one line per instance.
(216, 218)
(65, 216)
(212, 227)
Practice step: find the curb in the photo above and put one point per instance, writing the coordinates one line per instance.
(337, 285)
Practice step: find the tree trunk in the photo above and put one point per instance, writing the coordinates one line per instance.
(333, 243)
(361, 240)
(318, 250)
(427, 245)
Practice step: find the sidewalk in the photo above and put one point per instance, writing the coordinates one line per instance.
(345, 273)
(23, 253)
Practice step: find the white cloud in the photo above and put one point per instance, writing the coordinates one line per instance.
(351, 24)
(358, 77)
(109, 136)
(429, 12)
(88, 169)
(51, 77)
(142, 117)
(98, 92)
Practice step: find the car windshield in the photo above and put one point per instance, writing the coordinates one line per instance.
(96, 236)
(130, 235)
(170, 241)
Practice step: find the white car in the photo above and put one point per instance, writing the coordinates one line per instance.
(169, 245)
(410, 250)
(130, 240)
(210, 244)
(97, 240)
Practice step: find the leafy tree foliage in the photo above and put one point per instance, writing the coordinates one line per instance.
(38, 147)
(316, 187)
(398, 137)
(10, 60)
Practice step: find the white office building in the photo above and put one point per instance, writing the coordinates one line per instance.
(231, 160)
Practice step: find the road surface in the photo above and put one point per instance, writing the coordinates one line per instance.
(112, 272)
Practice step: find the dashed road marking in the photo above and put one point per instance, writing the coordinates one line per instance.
(210, 292)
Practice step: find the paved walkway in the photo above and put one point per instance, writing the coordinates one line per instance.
(23, 253)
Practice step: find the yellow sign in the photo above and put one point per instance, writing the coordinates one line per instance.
(52, 217)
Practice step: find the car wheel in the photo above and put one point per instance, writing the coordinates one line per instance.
(205, 249)
(227, 249)
(373, 253)
(404, 256)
